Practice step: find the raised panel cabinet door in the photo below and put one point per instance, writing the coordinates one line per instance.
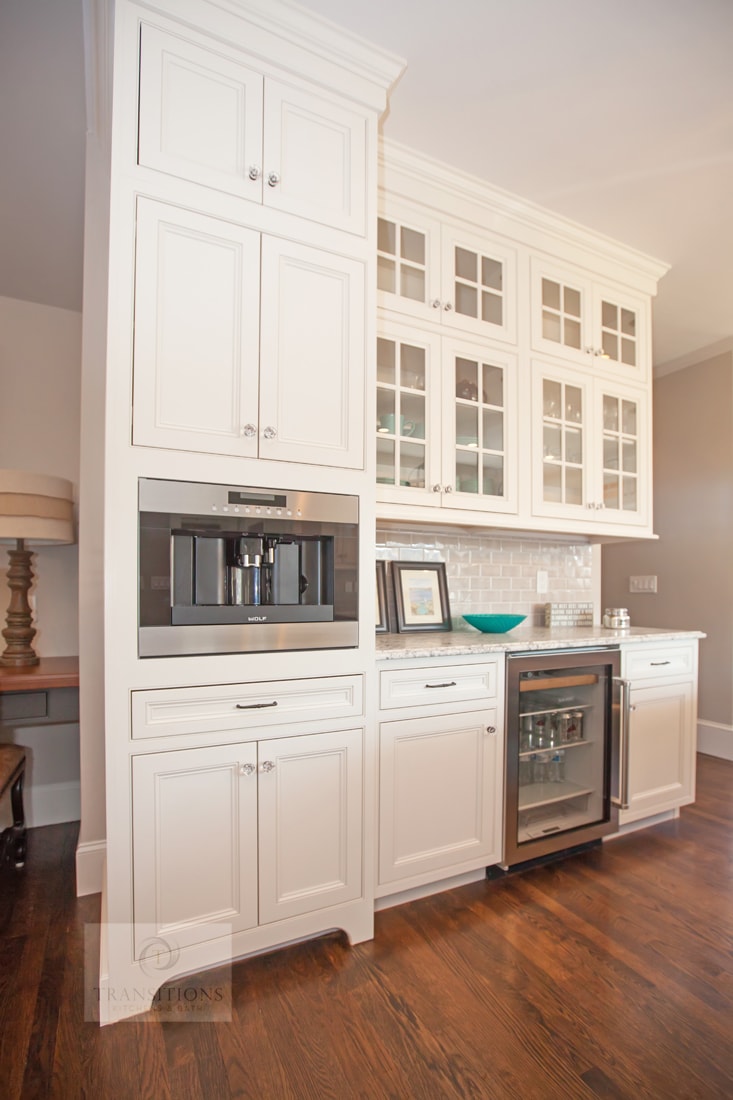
(200, 115)
(661, 749)
(194, 844)
(196, 343)
(440, 805)
(312, 356)
(314, 163)
(310, 821)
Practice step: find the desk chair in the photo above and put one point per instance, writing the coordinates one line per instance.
(12, 775)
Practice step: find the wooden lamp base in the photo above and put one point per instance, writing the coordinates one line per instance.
(19, 632)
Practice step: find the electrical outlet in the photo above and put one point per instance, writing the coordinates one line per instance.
(542, 582)
(643, 584)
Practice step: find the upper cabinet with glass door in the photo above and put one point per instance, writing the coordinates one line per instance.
(590, 449)
(583, 321)
(435, 271)
(446, 421)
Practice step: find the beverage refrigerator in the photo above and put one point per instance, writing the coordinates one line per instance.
(566, 770)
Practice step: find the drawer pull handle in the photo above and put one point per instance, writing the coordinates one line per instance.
(254, 706)
(449, 684)
(652, 663)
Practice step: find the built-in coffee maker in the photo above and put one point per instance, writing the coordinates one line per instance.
(225, 569)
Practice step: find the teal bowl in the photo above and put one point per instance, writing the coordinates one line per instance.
(494, 624)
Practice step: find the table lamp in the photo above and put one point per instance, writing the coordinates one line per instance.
(38, 509)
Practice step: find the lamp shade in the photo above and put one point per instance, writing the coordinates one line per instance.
(35, 507)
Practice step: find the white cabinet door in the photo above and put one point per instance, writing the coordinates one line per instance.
(200, 114)
(208, 119)
(586, 322)
(622, 451)
(440, 801)
(194, 843)
(661, 749)
(312, 356)
(196, 344)
(314, 163)
(310, 823)
(408, 261)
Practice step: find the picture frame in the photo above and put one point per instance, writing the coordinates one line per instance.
(421, 596)
(381, 614)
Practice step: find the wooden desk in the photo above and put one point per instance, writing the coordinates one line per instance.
(52, 672)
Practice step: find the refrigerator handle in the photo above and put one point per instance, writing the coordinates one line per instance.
(624, 729)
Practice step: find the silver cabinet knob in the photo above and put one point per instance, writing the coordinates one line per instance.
(448, 307)
(447, 488)
(437, 488)
(247, 769)
(273, 178)
(491, 729)
(435, 303)
(248, 430)
(268, 765)
(254, 172)
(269, 432)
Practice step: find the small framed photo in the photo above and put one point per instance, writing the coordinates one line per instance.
(381, 609)
(421, 596)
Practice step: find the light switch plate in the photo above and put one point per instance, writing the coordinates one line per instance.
(643, 584)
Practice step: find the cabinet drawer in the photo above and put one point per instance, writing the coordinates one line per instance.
(418, 687)
(173, 711)
(652, 662)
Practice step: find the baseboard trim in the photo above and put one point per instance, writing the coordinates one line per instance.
(715, 739)
(90, 867)
(52, 803)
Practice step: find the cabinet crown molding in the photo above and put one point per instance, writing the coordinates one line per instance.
(447, 189)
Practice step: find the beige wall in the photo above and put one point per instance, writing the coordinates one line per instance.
(40, 354)
(693, 516)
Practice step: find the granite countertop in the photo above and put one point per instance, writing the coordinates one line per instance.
(471, 642)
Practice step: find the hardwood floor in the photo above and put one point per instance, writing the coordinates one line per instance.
(609, 974)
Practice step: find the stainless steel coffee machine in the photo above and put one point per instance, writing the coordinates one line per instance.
(227, 568)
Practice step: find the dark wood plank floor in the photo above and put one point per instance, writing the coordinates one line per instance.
(607, 975)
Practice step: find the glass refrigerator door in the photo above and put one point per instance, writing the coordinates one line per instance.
(562, 748)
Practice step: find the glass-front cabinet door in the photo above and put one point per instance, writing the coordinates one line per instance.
(576, 319)
(590, 448)
(408, 413)
(479, 429)
(408, 262)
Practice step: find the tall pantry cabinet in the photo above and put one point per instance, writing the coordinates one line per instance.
(241, 275)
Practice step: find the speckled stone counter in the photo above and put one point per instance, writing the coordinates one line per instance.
(461, 643)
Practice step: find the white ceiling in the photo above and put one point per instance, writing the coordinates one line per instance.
(615, 113)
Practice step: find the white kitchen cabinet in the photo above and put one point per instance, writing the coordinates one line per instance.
(444, 273)
(662, 727)
(578, 318)
(245, 834)
(591, 443)
(446, 421)
(207, 118)
(441, 777)
(221, 367)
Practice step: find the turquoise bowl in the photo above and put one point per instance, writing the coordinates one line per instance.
(494, 624)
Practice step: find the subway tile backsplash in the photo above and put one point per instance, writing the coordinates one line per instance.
(496, 573)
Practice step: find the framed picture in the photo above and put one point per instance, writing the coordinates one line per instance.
(381, 609)
(421, 596)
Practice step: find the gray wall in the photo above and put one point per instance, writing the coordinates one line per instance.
(693, 516)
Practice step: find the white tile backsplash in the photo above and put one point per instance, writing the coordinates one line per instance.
(496, 573)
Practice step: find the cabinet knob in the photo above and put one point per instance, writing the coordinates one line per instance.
(447, 488)
(247, 769)
(491, 729)
(448, 307)
(269, 432)
(254, 172)
(437, 488)
(273, 179)
(268, 765)
(435, 303)
(248, 430)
